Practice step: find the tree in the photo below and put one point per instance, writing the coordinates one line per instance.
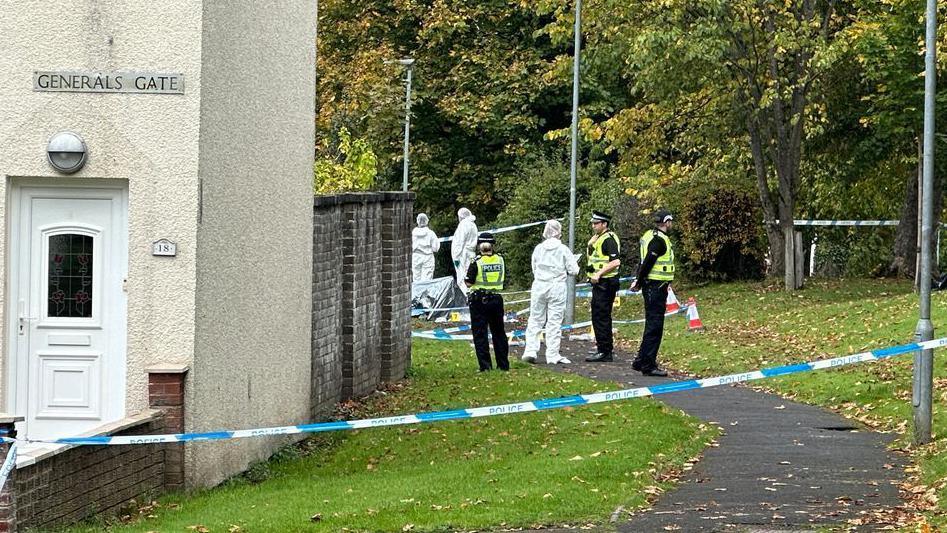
(352, 169)
(887, 42)
(741, 69)
(481, 100)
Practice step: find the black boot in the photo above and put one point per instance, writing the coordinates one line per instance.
(600, 358)
(656, 371)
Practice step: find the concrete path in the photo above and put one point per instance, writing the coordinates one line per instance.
(779, 465)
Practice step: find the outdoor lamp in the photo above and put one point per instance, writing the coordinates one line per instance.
(66, 152)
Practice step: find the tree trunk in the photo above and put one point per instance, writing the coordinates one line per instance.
(777, 250)
(774, 233)
(905, 239)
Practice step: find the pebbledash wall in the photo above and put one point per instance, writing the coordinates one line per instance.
(361, 291)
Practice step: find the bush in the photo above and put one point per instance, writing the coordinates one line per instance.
(351, 168)
(848, 251)
(718, 229)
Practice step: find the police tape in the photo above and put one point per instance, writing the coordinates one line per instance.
(9, 463)
(815, 222)
(623, 292)
(502, 230)
(450, 334)
(510, 408)
(626, 278)
(822, 222)
(578, 294)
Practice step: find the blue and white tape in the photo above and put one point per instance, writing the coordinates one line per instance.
(579, 294)
(450, 334)
(822, 222)
(503, 230)
(626, 278)
(623, 292)
(9, 463)
(815, 222)
(511, 408)
(579, 286)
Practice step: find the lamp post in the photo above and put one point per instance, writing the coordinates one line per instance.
(570, 288)
(924, 359)
(408, 64)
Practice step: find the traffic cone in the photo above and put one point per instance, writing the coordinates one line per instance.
(693, 319)
(672, 305)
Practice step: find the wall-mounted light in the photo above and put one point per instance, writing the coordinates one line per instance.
(66, 152)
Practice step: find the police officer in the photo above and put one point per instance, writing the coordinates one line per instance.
(485, 279)
(654, 276)
(602, 269)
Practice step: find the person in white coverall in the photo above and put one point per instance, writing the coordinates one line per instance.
(552, 263)
(424, 244)
(463, 246)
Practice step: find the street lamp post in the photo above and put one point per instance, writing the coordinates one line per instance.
(924, 359)
(408, 64)
(569, 317)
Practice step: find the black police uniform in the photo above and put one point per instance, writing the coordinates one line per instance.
(655, 294)
(603, 300)
(486, 312)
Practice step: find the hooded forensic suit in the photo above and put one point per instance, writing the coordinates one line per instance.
(463, 246)
(424, 244)
(552, 262)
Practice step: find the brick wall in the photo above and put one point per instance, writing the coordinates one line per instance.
(166, 392)
(89, 480)
(361, 298)
(361, 294)
(326, 306)
(397, 220)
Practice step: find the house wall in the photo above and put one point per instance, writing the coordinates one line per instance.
(63, 486)
(254, 257)
(149, 140)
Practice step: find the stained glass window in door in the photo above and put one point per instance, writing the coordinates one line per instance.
(70, 276)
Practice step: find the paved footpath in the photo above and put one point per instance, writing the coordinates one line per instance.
(779, 465)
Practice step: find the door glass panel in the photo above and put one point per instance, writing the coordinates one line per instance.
(70, 276)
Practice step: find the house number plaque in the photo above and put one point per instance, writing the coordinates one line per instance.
(164, 247)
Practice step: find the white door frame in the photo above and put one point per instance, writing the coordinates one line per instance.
(16, 351)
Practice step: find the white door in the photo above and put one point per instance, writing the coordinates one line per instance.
(66, 373)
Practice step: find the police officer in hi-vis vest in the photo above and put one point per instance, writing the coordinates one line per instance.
(485, 279)
(654, 276)
(602, 269)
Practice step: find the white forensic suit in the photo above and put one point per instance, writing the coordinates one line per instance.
(552, 263)
(463, 246)
(424, 244)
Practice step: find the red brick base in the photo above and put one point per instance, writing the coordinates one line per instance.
(166, 392)
(84, 481)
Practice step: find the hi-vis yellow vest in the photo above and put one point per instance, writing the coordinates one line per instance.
(663, 269)
(491, 272)
(597, 259)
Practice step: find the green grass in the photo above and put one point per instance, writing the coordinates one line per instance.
(750, 326)
(568, 465)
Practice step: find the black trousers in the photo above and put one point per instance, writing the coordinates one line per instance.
(655, 295)
(486, 311)
(603, 298)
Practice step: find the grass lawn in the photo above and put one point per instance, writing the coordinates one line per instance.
(750, 326)
(572, 466)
